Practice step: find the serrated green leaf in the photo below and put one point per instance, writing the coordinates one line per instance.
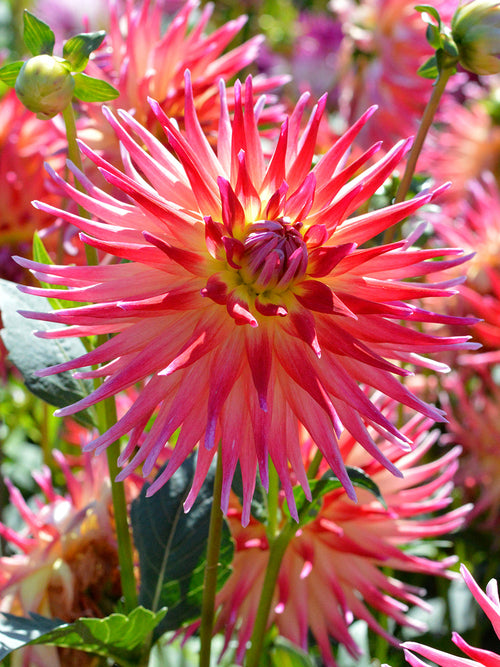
(172, 547)
(429, 70)
(308, 510)
(29, 353)
(89, 89)
(8, 73)
(78, 49)
(37, 35)
(117, 636)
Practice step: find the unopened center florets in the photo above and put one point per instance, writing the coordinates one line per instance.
(275, 254)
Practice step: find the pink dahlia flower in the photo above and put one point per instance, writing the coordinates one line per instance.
(466, 145)
(473, 411)
(142, 60)
(477, 657)
(247, 300)
(332, 570)
(66, 561)
(477, 230)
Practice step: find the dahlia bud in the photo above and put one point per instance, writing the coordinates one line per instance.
(45, 86)
(475, 29)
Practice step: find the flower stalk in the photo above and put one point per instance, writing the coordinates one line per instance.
(107, 413)
(276, 552)
(425, 124)
(211, 567)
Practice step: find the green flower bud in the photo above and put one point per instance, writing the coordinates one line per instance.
(44, 86)
(475, 28)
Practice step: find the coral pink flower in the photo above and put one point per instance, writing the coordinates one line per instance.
(246, 300)
(477, 657)
(473, 411)
(143, 61)
(332, 570)
(466, 144)
(67, 561)
(385, 44)
(477, 230)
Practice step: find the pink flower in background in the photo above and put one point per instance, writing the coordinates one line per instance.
(65, 563)
(25, 143)
(251, 302)
(315, 54)
(477, 657)
(464, 146)
(385, 44)
(332, 570)
(472, 403)
(142, 59)
(477, 229)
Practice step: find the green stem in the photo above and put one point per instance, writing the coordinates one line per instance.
(210, 580)
(108, 417)
(313, 468)
(425, 124)
(272, 502)
(276, 552)
(74, 155)
(107, 413)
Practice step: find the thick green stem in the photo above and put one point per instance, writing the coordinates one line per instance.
(107, 414)
(313, 468)
(276, 552)
(107, 417)
(210, 580)
(272, 502)
(425, 124)
(74, 155)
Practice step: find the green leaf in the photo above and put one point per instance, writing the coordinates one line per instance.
(433, 36)
(308, 510)
(284, 653)
(429, 70)
(78, 49)
(89, 89)
(37, 35)
(172, 547)
(29, 353)
(117, 636)
(8, 73)
(432, 12)
(16, 632)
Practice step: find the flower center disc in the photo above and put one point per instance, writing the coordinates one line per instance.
(275, 255)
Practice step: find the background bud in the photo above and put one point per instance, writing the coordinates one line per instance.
(44, 86)
(475, 29)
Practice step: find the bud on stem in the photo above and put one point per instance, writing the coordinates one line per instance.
(45, 86)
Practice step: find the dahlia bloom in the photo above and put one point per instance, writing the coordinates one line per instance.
(246, 302)
(466, 145)
(142, 60)
(66, 561)
(384, 46)
(477, 657)
(477, 229)
(332, 570)
(473, 410)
